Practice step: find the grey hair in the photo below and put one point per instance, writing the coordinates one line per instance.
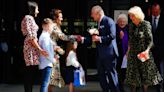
(137, 11)
(98, 9)
(122, 16)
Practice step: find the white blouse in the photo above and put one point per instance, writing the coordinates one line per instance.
(72, 59)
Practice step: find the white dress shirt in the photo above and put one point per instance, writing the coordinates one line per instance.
(156, 20)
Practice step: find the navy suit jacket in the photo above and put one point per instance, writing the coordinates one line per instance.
(108, 46)
(158, 36)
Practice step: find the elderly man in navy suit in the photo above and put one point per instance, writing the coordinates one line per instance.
(106, 50)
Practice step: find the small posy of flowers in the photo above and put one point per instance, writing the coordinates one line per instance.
(93, 31)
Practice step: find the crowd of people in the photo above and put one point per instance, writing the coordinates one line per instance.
(133, 50)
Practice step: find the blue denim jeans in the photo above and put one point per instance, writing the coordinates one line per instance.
(46, 73)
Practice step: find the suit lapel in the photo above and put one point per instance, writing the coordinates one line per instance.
(101, 26)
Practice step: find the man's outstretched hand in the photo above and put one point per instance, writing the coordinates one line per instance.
(79, 38)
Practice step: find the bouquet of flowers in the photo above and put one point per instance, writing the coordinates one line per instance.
(93, 31)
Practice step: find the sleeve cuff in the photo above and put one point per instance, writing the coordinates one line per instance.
(82, 40)
(100, 40)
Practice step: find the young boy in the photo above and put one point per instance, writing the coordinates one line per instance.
(46, 63)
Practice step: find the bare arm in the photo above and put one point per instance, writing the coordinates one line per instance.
(36, 45)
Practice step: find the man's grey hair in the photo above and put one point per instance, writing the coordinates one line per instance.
(98, 9)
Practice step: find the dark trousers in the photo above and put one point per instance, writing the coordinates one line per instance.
(30, 77)
(121, 73)
(159, 61)
(108, 75)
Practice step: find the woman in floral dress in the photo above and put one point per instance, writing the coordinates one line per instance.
(57, 34)
(31, 48)
(140, 41)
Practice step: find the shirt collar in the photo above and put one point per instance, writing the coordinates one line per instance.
(156, 17)
(46, 32)
(101, 18)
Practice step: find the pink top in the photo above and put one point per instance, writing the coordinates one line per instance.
(29, 29)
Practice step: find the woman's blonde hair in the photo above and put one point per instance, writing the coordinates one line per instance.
(137, 11)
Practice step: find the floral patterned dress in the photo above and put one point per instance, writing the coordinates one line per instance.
(141, 73)
(56, 79)
(29, 29)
